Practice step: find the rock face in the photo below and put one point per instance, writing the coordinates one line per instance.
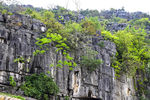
(108, 14)
(17, 39)
(116, 26)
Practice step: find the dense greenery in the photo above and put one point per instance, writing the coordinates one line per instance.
(4, 9)
(90, 13)
(101, 44)
(64, 37)
(89, 60)
(132, 50)
(12, 81)
(39, 86)
(133, 54)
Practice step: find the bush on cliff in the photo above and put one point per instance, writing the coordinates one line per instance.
(39, 86)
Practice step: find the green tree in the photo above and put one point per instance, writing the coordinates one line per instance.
(90, 25)
(132, 52)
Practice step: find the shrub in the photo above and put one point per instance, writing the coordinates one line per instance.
(91, 64)
(89, 60)
(66, 97)
(88, 27)
(12, 81)
(39, 86)
(101, 44)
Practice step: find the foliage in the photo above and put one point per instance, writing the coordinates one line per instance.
(133, 52)
(142, 98)
(90, 13)
(101, 44)
(132, 55)
(66, 97)
(4, 9)
(61, 46)
(73, 35)
(89, 60)
(32, 13)
(118, 20)
(116, 65)
(53, 37)
(140, 23)
(72, 27)
(20, 59)
(39, 86)
(108, 36)
(63, 38)
(12, 81)
(91, 64)
(90, 26)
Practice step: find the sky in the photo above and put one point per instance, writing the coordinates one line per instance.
(129, 5)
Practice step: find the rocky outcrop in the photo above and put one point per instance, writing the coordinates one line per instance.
(17, 39)
(116, 26)
(121, 13)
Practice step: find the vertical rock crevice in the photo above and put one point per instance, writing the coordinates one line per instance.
(17, 39)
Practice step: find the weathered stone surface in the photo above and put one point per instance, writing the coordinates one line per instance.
(108, 14)
(116, 26)
(17, 39)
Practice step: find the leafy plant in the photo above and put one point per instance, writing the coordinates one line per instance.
(12, 81)
(89, 60)
(39, 86)
(142, 98)
(52, 37)
(91, 64)
(101, 44)
(133, 54)
(89, 26)
(132, 51)
(20, 59)
(66, 97)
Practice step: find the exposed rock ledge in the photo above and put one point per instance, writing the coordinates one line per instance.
(17, 38)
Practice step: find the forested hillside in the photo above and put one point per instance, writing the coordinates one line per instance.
(72, 32)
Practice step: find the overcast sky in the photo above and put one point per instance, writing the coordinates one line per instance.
(129, 5)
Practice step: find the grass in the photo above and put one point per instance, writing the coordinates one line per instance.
(13, 96)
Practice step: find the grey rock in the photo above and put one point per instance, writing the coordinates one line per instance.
(18, 34)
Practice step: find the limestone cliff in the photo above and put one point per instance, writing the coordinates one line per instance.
(17, 39)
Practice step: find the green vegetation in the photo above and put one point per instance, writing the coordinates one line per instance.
(101, 44)
(4, 9)
(142, 98)
(140, 23)
(89, 60)
(133, 45)
(12, 81)
(90, 25)
(66, 97)
(20, 59)
(133, 53)
(63, 37)
(53, 37)
(13, 96)
(90, 13)
(39, 86)
(118, 20)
